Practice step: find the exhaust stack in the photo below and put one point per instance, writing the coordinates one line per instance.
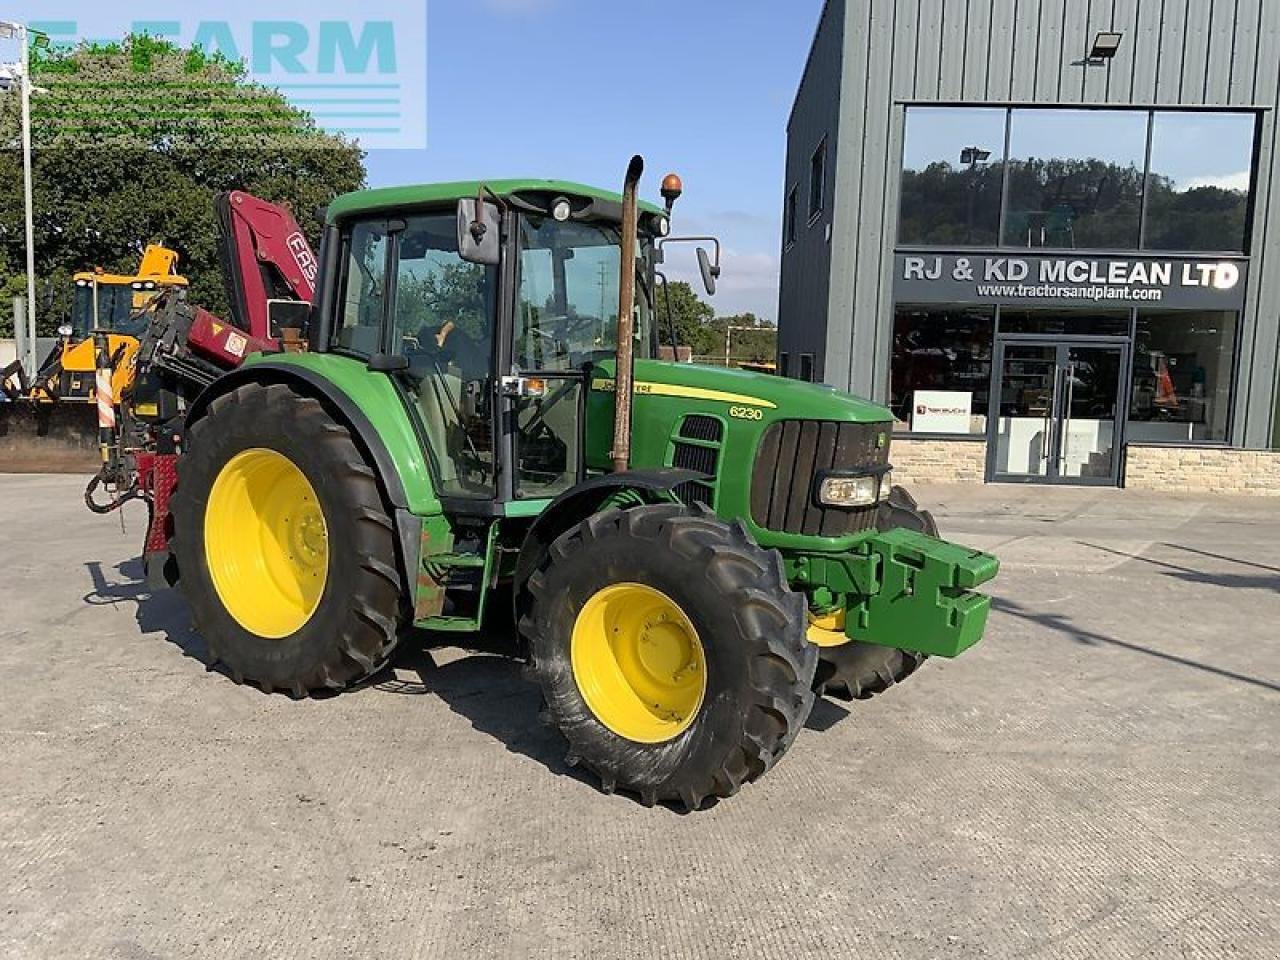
(626, 318)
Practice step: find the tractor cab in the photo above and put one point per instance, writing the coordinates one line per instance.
(494, 343)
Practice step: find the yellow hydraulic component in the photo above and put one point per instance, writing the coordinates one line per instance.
(266, 543)
(638, 662)
(827, 629)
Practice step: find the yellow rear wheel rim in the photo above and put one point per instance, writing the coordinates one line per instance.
(638, 663)
(266, 543)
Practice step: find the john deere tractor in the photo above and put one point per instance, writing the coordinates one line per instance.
(480, 426)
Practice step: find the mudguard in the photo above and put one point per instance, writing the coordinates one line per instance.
(580, 502)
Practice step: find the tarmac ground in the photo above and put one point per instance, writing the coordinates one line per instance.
(1097, 778)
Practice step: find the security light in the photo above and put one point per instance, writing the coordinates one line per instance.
(1105, 45)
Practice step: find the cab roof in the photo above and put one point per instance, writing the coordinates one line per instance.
(390, 198)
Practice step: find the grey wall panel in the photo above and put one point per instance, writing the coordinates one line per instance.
(999, 62)
(1119, 76)
(1025, 50)
(928, 46)
(1195, 49)
(1094, 80)
(978, 40)
(1217, 56)
(845, 248)
(1075, 44)
(1169, 54)
(1145, 50)
(847, 241)
(1244, 57)
(955, 50)
(1256, 403)
(806, 266)
(1049, 50)
(875, 237)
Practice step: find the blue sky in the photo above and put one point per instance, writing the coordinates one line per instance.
(707, 95)
(542, 88)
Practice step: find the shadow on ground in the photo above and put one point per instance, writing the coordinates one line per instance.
(485, 685)
(1066, 627)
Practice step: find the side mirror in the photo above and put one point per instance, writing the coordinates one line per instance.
(710, 271)
(479, 232)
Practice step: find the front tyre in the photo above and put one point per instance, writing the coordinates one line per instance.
(670, 651)
(285, 549)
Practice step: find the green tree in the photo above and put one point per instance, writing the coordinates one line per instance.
(131, 143)
(758, 343)
(692, 316)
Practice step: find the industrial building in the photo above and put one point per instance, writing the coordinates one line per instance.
(1046, 233)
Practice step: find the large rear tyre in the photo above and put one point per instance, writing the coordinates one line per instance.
(670, 651)
(285, 549)
(860, 671)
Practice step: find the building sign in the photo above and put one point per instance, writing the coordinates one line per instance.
(1170, 282)
(941, 411)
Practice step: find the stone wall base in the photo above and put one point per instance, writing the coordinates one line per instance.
(1170, 469)
(938, 461)
(1204, 470)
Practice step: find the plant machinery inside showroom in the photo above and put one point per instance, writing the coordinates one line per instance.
(1045, 238)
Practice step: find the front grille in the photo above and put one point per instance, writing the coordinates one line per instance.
(792, 453)
(699, 456)
(702, 428)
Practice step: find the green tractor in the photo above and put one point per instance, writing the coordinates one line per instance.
(480, 428)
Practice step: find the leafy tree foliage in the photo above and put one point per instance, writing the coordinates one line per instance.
(691, 316)
(698, 327)
(131, 143)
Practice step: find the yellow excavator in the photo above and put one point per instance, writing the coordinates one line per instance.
(59, 401)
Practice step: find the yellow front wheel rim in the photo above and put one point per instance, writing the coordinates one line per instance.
(827, 630)
(638, 663)
(266, 543)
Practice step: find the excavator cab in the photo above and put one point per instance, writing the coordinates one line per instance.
(118, 302)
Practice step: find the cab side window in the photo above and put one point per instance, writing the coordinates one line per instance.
(364, 289)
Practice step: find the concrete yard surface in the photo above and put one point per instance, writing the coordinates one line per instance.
(1098, 778)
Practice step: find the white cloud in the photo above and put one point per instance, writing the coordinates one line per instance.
(1230, 181)
(748, 282)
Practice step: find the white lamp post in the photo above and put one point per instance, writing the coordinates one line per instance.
(19, 31)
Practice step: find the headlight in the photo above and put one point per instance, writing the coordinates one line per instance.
(849, 491)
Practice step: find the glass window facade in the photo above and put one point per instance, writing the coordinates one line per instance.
(952, 176)
(1198, 188)
(941, 350)
(1182, 372)
(1075, 179)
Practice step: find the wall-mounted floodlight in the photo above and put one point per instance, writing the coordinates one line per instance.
(972, 156)
(1105, 45)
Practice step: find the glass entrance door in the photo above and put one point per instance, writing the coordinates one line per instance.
(1059, 412)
